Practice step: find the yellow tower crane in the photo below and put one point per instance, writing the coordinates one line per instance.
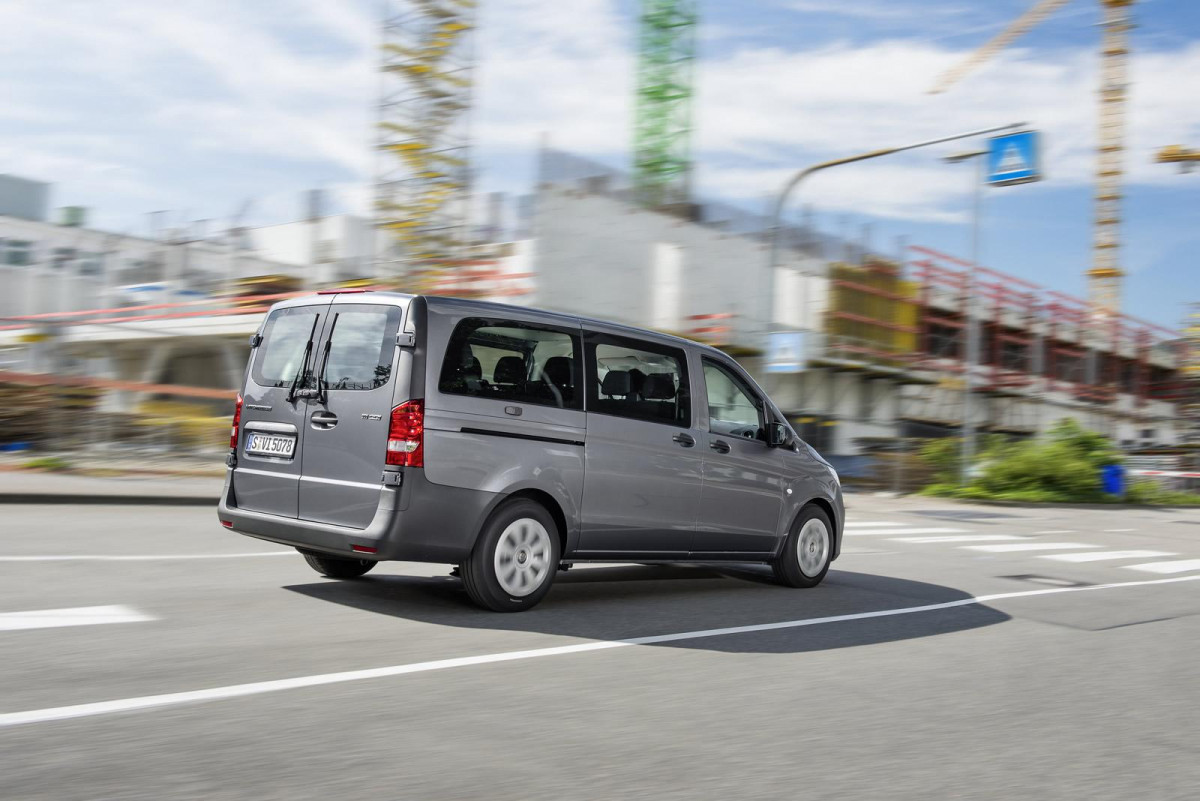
(1104, 277)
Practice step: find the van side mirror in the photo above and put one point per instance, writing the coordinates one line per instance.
(778, 435)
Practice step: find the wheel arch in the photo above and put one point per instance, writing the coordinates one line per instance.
(826, 506)
(545, 499)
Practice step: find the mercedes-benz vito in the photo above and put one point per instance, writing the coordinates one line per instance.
(510, 443)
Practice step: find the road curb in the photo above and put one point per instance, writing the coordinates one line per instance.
(76, 499)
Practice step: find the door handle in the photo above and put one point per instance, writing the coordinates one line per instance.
(686, 440)
(324, 419)
(719, 446)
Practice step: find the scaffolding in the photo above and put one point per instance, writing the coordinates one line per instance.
(423, 176)
(872, 312)
(1034, 340)
(662, 121)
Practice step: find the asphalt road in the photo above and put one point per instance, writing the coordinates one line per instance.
(889, 681)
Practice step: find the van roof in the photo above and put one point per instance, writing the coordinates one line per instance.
(482, 305)
(401, 299)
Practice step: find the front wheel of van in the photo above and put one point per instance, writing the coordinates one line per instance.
(337, 568)
(804, 560)
(514, 559)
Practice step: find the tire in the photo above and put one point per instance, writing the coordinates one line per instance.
(804, 559)
(336, 567)
(514, 559)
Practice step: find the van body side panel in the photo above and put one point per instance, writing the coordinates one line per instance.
(488, 454)
(493, 446)
(642, 489)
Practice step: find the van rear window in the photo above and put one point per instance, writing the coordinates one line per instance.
(361, 341)
(285, 336)
(507, 360)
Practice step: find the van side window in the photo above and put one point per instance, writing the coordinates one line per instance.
(639, 380)
(512, 361)
(733, 409)
(285, 337)
(362, 340)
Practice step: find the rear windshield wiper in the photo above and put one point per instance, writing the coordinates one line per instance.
(321, 396)
(303, 368)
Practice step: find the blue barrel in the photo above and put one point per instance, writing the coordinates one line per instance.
(1112, 479)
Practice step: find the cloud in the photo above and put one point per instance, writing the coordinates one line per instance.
(196, 104)
(880, 10)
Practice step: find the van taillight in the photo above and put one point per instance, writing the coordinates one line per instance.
(237, 421)
(406, 435)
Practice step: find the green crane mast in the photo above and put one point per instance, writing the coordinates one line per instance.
(663, 120)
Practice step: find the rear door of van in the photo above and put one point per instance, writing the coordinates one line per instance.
(268, 470)
(360, 375)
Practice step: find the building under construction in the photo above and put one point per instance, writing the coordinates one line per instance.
(884, 337)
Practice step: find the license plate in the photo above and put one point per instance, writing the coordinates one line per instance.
(270, 445)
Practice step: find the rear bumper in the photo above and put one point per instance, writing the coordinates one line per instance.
(418, 521)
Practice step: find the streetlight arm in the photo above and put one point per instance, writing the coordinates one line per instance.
(794, 181)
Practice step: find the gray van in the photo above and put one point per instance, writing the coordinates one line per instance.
(513, 443)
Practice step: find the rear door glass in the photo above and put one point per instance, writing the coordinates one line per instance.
(280, 357)
(360, 347)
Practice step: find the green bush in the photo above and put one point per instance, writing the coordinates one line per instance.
(50, 463)
(1062, 466)
(1151, 493)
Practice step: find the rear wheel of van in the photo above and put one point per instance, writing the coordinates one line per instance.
(804, 560)
(335, 567)
(515, 557)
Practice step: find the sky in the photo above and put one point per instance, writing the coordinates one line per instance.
(199, 107)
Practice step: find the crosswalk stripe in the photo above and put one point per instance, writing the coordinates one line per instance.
(959, 538)
(1179, 566)
(76, 616)
(1027, 546)
(877, 532)
(1100, 556)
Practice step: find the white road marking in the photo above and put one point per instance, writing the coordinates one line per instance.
(76, 616)
(140, 557)
(960, 538)
(259, 687)
(1100, 556)
(1028, 546)
(1118, 530)
(1057, 531)
(879, 532)
(868, 524)
(1180, 566)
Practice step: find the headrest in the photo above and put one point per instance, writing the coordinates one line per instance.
(557, 370)
(509, 370)
(658, 386)
(615, 382)
(636, 379)
(471, 368)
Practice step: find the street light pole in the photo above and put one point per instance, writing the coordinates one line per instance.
(978, 178)
(794, 181)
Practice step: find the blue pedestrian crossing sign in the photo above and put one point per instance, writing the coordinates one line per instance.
(1014, 159)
